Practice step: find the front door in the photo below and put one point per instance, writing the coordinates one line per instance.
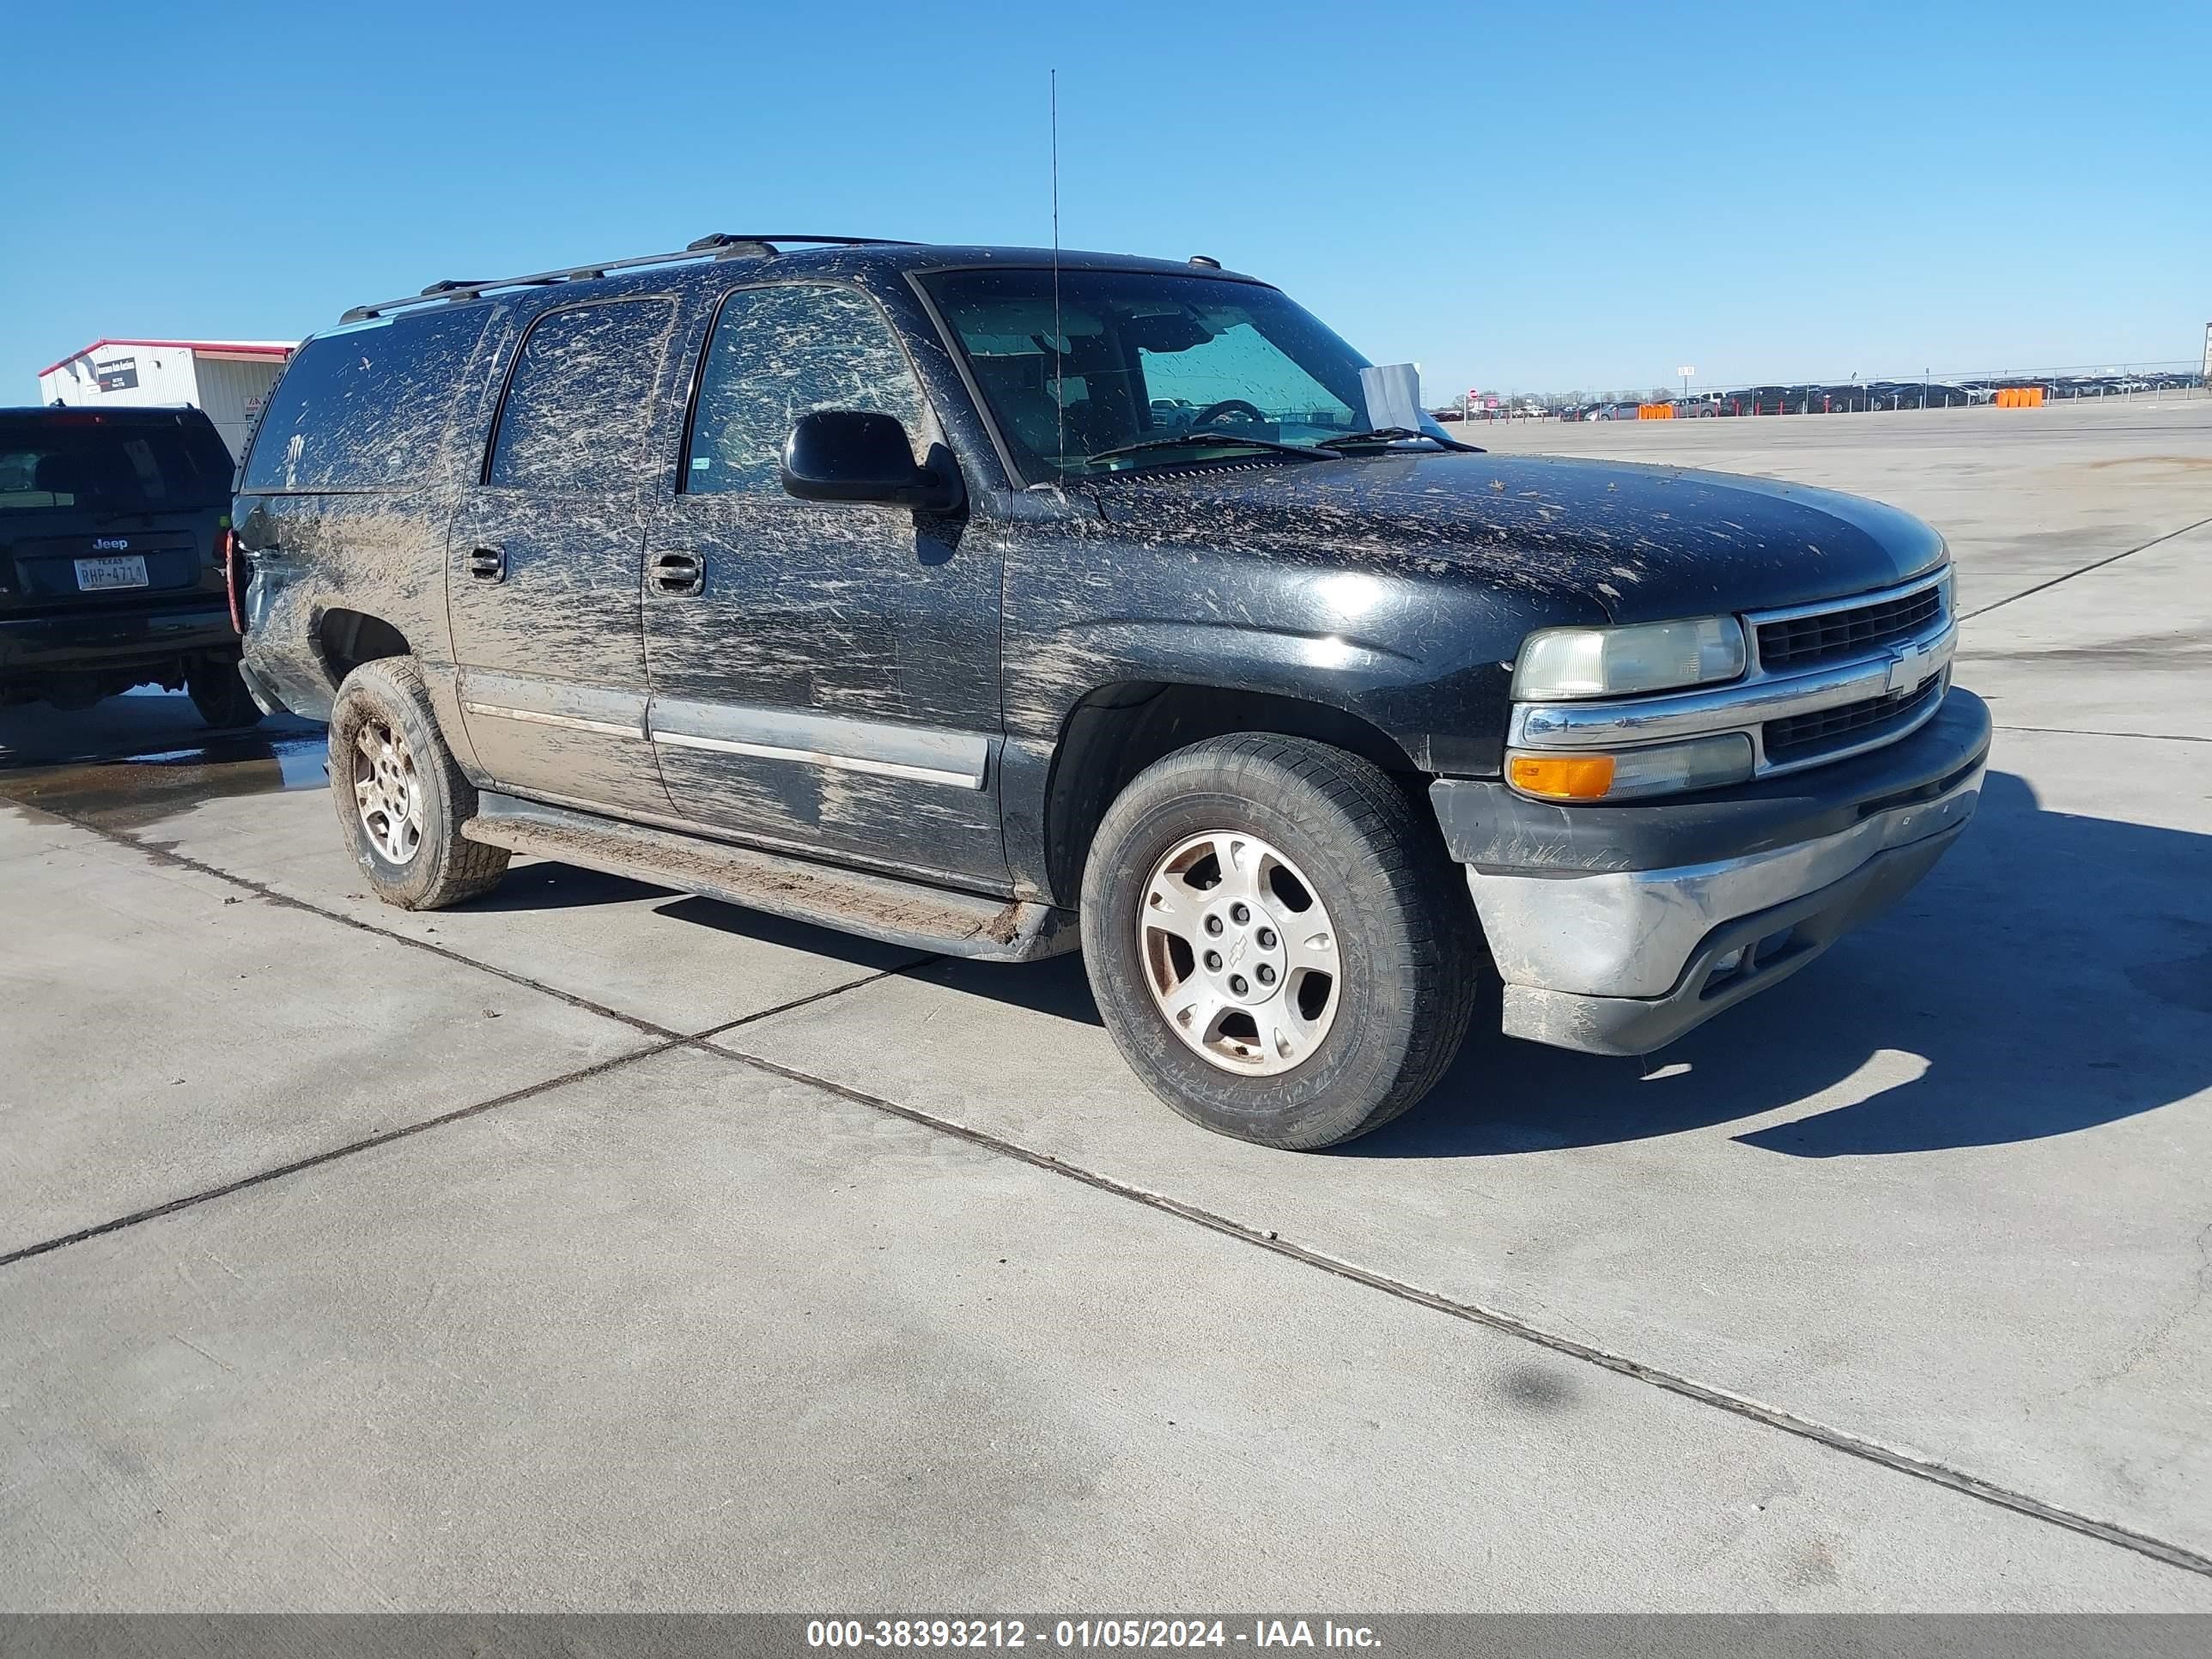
(824, 675)
(544, 558)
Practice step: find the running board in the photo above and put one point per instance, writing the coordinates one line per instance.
(907, 912)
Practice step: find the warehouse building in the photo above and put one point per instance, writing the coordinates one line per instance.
(228, 379)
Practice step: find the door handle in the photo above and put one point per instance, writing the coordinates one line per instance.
(681, 574)
(488, 564)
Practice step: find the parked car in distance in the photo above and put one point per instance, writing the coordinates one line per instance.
(113, 524)
(860, 583)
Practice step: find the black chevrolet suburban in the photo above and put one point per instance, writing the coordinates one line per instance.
(114, 526)
(984, 599)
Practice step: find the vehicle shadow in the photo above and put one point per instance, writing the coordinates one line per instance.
(2052, 974)
(765, 929)
(139, 722)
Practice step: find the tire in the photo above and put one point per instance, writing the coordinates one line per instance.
(1365, 1041)
(217, 691)
(401, 799)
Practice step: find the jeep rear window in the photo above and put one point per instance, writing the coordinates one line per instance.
(367, 407)
(111, 468)
(1120, 357)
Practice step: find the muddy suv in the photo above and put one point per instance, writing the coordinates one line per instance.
(956, 598)
(114, 526)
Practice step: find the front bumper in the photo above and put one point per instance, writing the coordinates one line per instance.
(1618, 928)
(71, 642)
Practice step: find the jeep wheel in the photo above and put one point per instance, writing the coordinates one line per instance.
(401, 799)
(217, 690)
(1278, 944)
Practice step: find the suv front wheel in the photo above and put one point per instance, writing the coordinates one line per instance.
(1279, 946)
(400, 796)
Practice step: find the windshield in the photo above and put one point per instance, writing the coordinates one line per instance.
(1169, 366)
(109, 467)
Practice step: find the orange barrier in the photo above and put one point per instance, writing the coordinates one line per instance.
(1655, 411)
(2020, 397)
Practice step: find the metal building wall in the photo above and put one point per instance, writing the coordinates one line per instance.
(232, 391)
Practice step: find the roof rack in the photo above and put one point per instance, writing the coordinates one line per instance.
(719, 245)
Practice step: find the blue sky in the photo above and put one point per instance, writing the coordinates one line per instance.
(1538, 195)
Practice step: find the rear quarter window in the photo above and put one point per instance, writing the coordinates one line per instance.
(367, 407)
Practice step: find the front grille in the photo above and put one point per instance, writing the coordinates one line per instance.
(1832, 635)
(1805, 736)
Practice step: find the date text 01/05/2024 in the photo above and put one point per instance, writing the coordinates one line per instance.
(1084, 1633)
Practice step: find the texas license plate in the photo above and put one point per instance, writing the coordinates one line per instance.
(124, 570)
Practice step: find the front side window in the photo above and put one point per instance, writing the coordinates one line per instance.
(581, 400)
(1122, 359)
(777, 354)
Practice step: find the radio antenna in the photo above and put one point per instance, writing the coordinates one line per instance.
(1059, 348)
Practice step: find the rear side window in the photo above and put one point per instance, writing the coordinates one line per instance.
(581, 400)
(366, 407)
(72, 461)
(780, 353)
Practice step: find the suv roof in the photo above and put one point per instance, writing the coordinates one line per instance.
(843, 251)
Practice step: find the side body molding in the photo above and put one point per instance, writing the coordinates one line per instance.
(919, 754)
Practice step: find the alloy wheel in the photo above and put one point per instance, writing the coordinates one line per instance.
(1239, 952)
(386, 791)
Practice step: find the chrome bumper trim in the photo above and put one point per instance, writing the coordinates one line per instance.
(1632, 934)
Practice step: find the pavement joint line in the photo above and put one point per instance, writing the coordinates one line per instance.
(1773, 1416)
(2077, 731)
(331, 1155)
(262, 889)
(696, 1039)
(2099, 564)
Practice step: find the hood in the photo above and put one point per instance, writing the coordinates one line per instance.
(1646, 543)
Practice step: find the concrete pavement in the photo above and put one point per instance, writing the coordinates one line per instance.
(744, 1266)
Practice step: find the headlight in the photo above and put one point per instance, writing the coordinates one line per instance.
(1559, 664)
(1659, 768)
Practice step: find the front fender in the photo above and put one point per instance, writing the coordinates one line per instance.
(1424, 657)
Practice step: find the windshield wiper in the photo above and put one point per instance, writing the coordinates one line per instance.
(1391, 434)
(1205, 440)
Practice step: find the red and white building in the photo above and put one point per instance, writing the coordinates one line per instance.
(228, 379)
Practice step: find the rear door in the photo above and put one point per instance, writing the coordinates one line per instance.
(543, 559)
(824, 675)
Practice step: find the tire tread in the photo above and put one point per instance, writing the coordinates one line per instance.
(1441, 957)
(464, 869)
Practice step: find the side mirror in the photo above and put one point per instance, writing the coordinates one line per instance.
(852, 455)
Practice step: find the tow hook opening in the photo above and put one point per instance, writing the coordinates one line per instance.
(1745, 960)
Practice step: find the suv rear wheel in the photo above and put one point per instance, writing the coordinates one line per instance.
(401, 799)
(1279, 946)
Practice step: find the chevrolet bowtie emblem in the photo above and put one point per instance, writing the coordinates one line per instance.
(1907, 668)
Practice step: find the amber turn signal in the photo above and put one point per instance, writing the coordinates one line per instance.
(1563, 777)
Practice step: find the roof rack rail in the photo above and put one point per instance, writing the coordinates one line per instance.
(718, 245)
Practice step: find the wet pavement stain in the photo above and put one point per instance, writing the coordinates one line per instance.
(133, 791)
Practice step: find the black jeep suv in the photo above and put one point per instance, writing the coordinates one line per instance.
(983, 599)
(113, 525)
